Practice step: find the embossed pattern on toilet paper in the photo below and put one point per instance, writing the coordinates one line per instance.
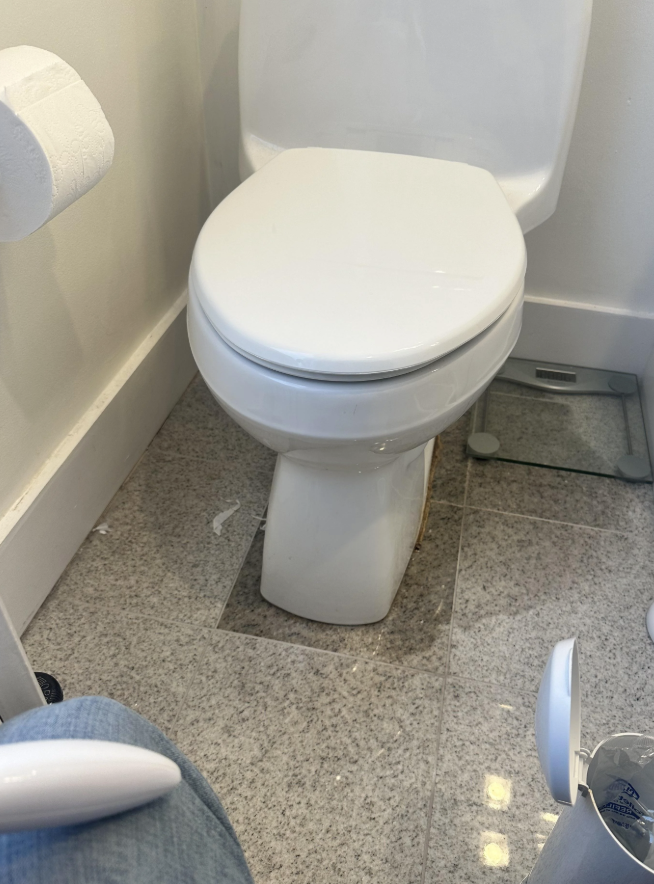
(38, 85)
(55, 141)
(74, 132)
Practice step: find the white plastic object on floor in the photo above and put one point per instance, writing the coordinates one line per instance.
(558, 723)
(581, 848)
(650, 621)
(48, 783)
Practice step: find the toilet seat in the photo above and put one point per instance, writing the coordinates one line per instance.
(349, 265)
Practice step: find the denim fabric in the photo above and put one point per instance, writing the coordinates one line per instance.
(182, 838)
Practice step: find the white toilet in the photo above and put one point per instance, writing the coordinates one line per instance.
(356, 294)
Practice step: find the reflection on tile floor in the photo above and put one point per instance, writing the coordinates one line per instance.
(399, 752)
(492, 810)
(324, 762)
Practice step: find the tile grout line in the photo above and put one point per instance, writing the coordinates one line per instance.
(483, 509)
(183, 701)
(495, 684)
(210, 626)
(441, 713)
(225, 601)
(441, 502)
(118, 609)
(372, 661)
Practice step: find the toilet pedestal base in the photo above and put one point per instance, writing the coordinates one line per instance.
(339, 538)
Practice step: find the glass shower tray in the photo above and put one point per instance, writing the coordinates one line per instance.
(564, 417)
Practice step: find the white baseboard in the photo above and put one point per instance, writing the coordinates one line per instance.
(44, 529)
(581, 334)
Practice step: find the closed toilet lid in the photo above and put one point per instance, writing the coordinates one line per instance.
(343, 262)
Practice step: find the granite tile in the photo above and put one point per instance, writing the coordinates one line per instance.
(451, 473)
(143, 663)
(323, 763)
(525, 584)
(492, 809)
(561, 495)
(161, 557)
(199, 427)
(416, 631)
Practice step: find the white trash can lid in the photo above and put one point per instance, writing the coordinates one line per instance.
(558, 723)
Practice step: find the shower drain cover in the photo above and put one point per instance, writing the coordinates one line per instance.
(50, 686)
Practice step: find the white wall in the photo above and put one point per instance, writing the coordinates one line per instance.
(598, 248)
(218, 30)
(79, 296)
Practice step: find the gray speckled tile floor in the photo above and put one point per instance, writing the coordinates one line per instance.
(579, 499)
(324, 762)
(415, 633)
(487, 754)
(361, 754)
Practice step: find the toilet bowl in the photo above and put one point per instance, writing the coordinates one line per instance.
(352, 467)
(361, 287)
(345, 307)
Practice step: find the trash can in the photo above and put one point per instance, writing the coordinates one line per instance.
(605, 835)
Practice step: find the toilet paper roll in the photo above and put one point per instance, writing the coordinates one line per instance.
(55, 141)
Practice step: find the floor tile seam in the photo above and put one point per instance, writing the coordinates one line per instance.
(432, 787)
(453, 678)
(192, 670)
(425, 856)
(373, 661)
(441, 502)
(458, 568)
(456, 575)
(213, 617)
(483, 509)
(117, 610)
(237, 573)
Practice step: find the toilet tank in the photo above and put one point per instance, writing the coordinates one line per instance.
(493, 83)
